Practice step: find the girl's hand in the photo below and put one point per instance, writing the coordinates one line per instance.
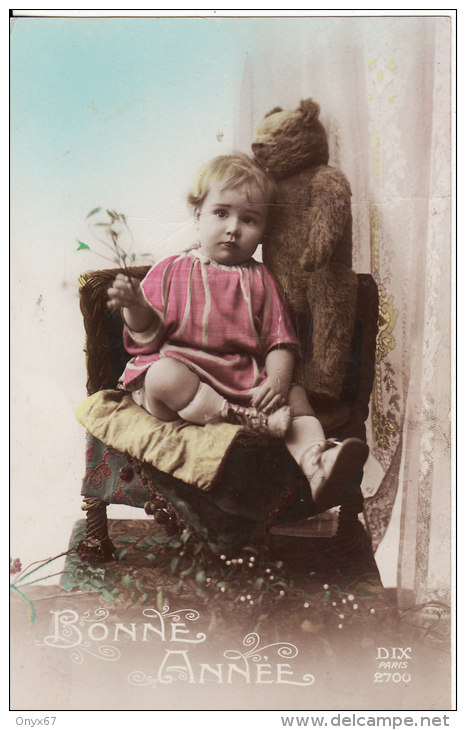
(271, 394)
(125, 292)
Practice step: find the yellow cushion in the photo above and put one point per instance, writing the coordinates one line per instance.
(191, 453)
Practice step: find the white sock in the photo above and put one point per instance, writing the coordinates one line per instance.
(206, 404)
(304, 433)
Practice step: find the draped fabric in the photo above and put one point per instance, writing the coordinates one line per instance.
(383, 85)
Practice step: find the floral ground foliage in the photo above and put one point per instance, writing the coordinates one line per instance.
(253, 588)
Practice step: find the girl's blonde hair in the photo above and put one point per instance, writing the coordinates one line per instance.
(234, 171)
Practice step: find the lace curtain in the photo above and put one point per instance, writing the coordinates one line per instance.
(383, 85)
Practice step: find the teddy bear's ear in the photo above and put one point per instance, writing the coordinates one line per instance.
(274, 111)
(310, 111)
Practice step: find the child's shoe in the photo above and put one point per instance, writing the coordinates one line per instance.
(330, 466)
(276, 424)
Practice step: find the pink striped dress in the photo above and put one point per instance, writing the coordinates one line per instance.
(221, 321)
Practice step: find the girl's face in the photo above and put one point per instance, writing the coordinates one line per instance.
(231, 223)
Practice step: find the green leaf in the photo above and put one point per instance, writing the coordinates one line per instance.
(120, 554)
(327, 597)
(187, 572)
(82, 246)
(107, 596)
(93, 212)
(198, 548)
(151, 557)
(161, 539)
(200, 577)
(174, 562)
(127, 538)
(174, 543)
(128, 582)
(185, 537)
(160, 599)
(111, 213)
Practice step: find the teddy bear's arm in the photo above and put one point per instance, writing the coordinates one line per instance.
(329, 213)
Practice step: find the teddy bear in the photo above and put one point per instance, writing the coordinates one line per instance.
(308, 247)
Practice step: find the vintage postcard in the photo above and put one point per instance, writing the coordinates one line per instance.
(230, 464)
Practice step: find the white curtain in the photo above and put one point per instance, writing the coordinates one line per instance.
(383, 85)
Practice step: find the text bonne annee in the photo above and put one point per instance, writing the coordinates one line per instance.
(251, 665)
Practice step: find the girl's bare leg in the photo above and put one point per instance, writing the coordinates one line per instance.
(171, 391)
(169, 386)
(299, 402)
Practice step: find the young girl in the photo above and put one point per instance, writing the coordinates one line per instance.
(212, 337)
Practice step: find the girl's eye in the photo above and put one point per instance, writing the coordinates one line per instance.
(221, 213)
(248, 220)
